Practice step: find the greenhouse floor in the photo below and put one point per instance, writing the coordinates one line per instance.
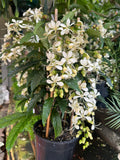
(98, 150)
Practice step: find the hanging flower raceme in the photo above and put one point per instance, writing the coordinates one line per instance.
(67, 59)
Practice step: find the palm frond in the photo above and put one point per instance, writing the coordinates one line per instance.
(113, 111)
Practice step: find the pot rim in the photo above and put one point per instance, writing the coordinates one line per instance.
(52, 141)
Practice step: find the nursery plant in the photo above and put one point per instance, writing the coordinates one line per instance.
(57, 63)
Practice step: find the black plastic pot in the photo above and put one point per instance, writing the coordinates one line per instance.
(50, 150)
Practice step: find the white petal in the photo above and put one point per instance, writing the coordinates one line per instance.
(60, 84)
(83, 61)
(88, 118)
(58, 23)
(63, 60)
(49, 81)
(89, 104)
(79, 68)
(62, 25)
(58, 67)
(73, 60)
(70, 54)
(64, 54)
(51, 24)
(68, 22)
(85, 89)
(62, 32)
(93, 127)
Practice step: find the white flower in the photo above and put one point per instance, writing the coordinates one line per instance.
(69, 57)
(52, 26)
(83, 85)
(101, 28)
(37, 15)
(75, 121)
(85, 63)
(55, 80)
(67, 73)
(65, 28)
(28, 12)
(50, 56)
(75, 106)
(17, 22)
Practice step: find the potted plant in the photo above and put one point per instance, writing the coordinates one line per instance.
(56, 72)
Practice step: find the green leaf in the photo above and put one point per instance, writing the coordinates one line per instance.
(33, 102)
(37, 79)
(93, 33)
(23, 67)
(33, 53)
(27, 37)
(16, 12)
(37, 27)
(18, 128)
(20, 97)
(22, 104)
(69, 15)
(56, 122)
(109, 24)
(113, 111)
(62, 103)
(11, 119)
(39, 30)
(46, 109)
(29, 127)
(3, 3)
(44, 41)
(73, 84)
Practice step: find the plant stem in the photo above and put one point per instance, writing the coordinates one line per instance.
(32, 143)
(71, 122)
(52, 93)
(68, 4)
(56, 14)
(48, 120)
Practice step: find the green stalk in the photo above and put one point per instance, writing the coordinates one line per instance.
(68, 4)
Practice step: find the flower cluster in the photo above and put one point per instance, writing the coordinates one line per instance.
(71, 70)
(67, 59)
(15, 32)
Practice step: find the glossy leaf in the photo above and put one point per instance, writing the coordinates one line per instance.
(23, 67)
(56, 122)
(93, 33)
(70, 15)
(37, 28)
(46, 109)
(27, 37)
(73, 84)
(33, 102)
(3, 3)
(37, 79)
(62, 103)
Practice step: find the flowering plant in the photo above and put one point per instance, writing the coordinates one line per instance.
(54, 67)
